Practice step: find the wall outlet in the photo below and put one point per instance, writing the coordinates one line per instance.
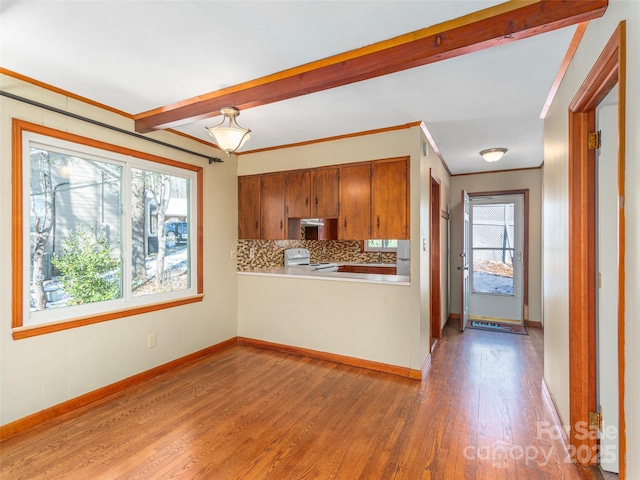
(151, 340)
(252, 253)
(233, 254)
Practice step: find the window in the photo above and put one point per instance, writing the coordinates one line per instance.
(493, 248)
(380, 245)
(104, 231)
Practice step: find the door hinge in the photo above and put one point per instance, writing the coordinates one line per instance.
(595, 420)
(594, 140)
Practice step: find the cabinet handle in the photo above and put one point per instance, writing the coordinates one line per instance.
(316, 201)
(345, 223)
(306, 202)
(256, 224)
(378, 222)
(281, 225)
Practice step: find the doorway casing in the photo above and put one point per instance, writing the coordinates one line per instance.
(608, 71)
(435, 257)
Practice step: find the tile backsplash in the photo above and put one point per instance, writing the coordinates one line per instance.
(253, 254)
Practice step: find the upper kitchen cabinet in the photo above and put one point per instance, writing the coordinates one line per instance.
(249, 207)
(272, 218)
(390, 199)
(355, 202)
(325, 188)
(298, 193)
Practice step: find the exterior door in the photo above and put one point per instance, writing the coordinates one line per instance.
(497, 258)
(464, 260)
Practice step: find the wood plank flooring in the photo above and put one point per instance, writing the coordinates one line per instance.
(247, 413)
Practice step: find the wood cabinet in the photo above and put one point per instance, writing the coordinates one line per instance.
(272, 218)
(371, 269)
(298, 194)
(370, 200)
(249, 207)
(389, 199)
(325, 190)
(355, 202)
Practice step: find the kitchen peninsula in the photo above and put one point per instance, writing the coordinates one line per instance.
(301, 273)
(297, 261)
(367, 187)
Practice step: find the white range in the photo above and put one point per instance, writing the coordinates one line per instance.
(300, 257)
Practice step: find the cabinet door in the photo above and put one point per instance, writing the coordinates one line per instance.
(272, 207)
(298, 194)
(326, 192)
(389, 199)
(355, 202)
(249, 207)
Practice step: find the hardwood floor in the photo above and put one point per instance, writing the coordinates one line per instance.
(247, 413)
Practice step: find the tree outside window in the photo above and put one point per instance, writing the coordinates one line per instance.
(89, 235)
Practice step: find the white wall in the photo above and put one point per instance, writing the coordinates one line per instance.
(42, 371)
(431, 163)
(491, 182)
(556, 219)
(390, 318)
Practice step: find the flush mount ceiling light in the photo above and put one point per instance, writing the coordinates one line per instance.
(493, 154)
(232, 136)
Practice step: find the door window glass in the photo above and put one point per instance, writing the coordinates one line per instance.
(493, 248)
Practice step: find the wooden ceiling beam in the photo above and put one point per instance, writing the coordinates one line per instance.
(486, 28)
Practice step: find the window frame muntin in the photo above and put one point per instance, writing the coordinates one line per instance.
(19, 330)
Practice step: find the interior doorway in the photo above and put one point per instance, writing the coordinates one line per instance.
(434, 241)
(607, 72)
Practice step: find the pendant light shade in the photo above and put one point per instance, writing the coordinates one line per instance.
(229, 137)
(493, 154)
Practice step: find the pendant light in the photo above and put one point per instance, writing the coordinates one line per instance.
(232, 136)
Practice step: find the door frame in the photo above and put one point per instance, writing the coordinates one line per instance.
(525, 246)
(435, 259)
(608, 70)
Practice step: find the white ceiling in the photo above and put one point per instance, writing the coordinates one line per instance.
(139, 55)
